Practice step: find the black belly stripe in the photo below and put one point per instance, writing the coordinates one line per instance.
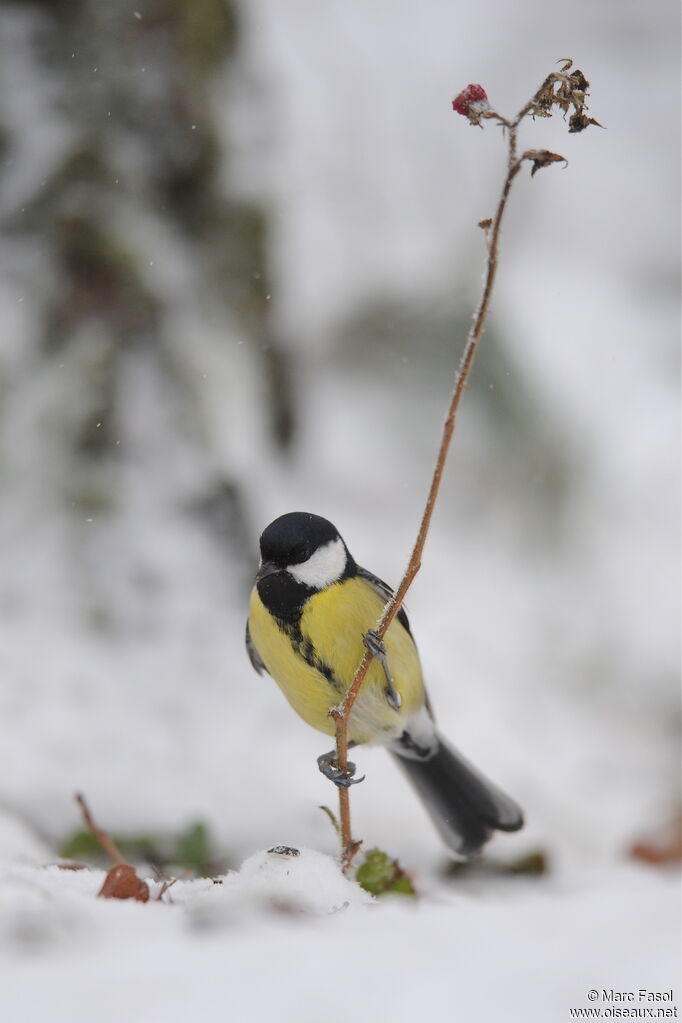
(304, 648)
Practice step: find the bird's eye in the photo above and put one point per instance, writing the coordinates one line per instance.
(303, 552)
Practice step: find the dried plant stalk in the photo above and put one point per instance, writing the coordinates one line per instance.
(567, 92)
(104, 839)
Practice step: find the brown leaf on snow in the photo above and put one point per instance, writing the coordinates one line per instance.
(662, 848)
(122, 882)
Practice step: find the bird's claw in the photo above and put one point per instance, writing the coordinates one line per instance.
(330, 769)
(375, 645)
(373, 642)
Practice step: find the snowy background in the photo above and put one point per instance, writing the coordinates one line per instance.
(274, 326)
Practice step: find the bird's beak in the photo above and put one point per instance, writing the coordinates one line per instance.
(267, 568)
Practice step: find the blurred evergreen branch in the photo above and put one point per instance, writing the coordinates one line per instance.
(191, 849)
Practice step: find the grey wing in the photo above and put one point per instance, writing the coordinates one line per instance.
(385, 591)
(254, 656)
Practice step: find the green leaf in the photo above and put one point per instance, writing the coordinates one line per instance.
(81, 845)
(193, 849)
(378, 874)
(190, 849)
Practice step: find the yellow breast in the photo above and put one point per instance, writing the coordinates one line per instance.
(331, 629)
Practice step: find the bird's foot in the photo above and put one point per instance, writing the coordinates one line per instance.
(329, 767)
(375, 645)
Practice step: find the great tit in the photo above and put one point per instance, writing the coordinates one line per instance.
(311, 617)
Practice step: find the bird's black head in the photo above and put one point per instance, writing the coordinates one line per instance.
(293, 537)
(301, 554)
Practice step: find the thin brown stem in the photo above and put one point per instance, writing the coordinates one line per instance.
(567, 92)
(349, 846)
(105, 840)
(341, 714)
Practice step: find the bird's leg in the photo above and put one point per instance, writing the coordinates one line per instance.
(376, 647)
(331, 770)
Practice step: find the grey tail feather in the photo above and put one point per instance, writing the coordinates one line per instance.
(464, 806)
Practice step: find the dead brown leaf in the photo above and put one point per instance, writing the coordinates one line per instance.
(122, 882)
(661, 848)
(542, 158)
(578, 122)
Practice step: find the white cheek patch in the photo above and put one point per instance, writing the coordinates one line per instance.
(324, 567)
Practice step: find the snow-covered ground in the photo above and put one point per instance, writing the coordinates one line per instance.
(552, 654)
(291, 938)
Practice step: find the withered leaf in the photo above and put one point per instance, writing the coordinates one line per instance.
(542, 158)
(486, 224)
(122, 882)
(662, 848)
(579, 121)
(656, 855)
(579, 81)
